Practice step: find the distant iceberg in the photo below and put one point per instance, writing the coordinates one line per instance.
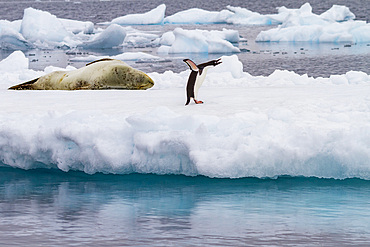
(127, 56)
(334, 25)
(199, 41)
(41, 29)
(112, 36)
(243, 16)
(11, 39)
(198, 16)
(152, 17)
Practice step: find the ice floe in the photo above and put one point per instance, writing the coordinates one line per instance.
(249, 126)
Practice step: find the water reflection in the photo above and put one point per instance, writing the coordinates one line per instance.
(52, 207)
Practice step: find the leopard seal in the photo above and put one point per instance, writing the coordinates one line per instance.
(101, 74)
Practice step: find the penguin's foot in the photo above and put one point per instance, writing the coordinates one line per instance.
(198, 101)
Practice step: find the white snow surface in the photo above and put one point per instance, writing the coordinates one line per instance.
(249, 126)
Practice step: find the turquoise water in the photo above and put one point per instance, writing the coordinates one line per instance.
(48, 207)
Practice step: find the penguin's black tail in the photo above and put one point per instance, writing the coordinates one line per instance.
(187, 101)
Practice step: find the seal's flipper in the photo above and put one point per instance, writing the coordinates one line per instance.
(100, 60)
(24, 86)
(191, 65)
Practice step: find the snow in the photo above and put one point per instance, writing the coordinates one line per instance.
(154, 16)
(199, 41)
(282, 124)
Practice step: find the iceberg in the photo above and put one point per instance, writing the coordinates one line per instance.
(11, 39)
(152, 17)
(198, 16)
(338, 13)
(243, 16)
(199, 41)
(76, 27)
(127, 56)
(112, 36)
(335, 25)
(42, 27)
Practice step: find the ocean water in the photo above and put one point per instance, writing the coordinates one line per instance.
(53, 208)
(48, 207)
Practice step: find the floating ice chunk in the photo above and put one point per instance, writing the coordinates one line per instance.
(154, 16)
(127, 56)
(140, 39)
(338, 13)
(335, 25)
(111, 37)
(242, 16)
(198, 16)
(167, 38)
(38, 25)
(11, 39)
(86, 27)
(351, 31)
(200, 41)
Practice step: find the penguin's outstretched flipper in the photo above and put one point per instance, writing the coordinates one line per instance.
(191, 65)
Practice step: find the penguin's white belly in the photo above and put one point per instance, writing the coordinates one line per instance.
(199, 81)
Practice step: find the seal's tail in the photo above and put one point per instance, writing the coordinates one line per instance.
(24, 86)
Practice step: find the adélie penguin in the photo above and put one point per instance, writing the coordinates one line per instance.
(196, 78)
